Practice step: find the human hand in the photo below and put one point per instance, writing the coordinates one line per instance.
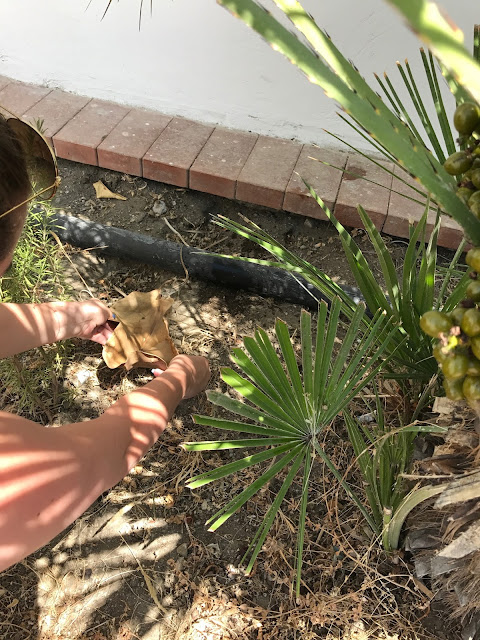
(195, 370)
(93, 317)
(88, 320)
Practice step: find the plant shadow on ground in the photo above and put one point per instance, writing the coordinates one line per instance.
(140, 562)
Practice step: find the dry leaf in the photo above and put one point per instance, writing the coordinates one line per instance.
(166, 501)
(464, 545)
(141, 338)
(461, 490)
(104, 192)
(444, 405)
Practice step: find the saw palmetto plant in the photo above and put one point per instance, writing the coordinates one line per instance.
(288, 402)
(382, 455)
(407, 296)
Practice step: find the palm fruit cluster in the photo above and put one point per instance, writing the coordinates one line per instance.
(457, 349)
(465, 164)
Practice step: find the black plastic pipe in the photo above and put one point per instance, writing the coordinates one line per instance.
(259, 279)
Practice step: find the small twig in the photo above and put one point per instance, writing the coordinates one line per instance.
(177, 233)
(183, 265)
(196, 232)
(58, 241)
(148, 582)
(118, 290)
(214, 244)
(83, 249)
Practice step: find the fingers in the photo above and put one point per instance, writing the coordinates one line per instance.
(101, 334)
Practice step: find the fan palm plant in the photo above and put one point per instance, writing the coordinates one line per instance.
(289, 406)
(407, 297)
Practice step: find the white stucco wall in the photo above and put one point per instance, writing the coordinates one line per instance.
(193, 58)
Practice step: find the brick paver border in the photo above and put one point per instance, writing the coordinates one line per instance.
(238, 165)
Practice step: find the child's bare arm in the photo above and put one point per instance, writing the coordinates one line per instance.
(50, 476)
(24, 326)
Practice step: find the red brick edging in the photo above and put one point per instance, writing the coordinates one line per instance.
(234, 164)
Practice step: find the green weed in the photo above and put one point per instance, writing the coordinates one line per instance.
(30, 382)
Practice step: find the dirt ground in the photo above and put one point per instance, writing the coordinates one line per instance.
(140, 563)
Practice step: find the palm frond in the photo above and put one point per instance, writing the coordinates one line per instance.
(445, 40)
(288, 406)
(406, 298)
(324, 65)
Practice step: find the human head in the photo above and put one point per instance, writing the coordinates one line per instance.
(14, 188)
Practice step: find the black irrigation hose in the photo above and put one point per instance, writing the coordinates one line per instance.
(259, 279)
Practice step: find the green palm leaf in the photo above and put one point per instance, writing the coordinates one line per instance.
(256, 545)
(383, 455)
(291, 406)
(430, 70)
(409, 295)
(238, 465)
(252, 413)
(288, 260)
(250, 392)
(230, 425)
(325, 66)
(417, 101)
(302, 517)
(226, 512)
(222, 445)
(445, 40)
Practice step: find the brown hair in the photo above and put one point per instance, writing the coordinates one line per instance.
(14, 187)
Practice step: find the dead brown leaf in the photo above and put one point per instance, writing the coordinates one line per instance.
(141, 338)
(101, 191)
